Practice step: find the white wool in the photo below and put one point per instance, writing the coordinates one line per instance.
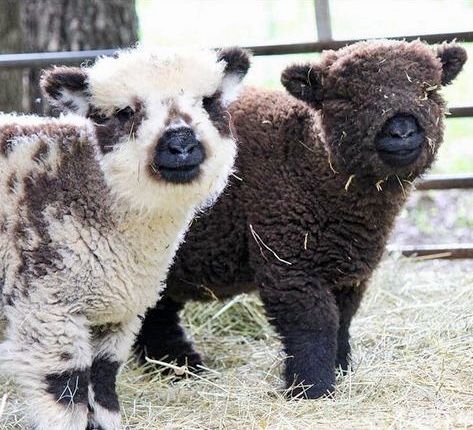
(34, 120)
(230, 88)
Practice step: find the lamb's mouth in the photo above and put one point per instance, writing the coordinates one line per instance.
(402, 157)
(179, 174)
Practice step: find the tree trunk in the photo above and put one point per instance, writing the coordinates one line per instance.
(10, 42)
(70, 25)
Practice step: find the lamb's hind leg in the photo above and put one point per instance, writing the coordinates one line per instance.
(348, 301)
(112, 344)
(163, 338)
(48, 352)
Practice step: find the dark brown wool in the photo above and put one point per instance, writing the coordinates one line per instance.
(124, 122)
(309, 220)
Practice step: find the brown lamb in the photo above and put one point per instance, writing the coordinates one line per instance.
(322, 180)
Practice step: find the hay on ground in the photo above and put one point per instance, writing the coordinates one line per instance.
(413, 364)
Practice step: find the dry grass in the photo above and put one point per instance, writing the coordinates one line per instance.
(413, 364)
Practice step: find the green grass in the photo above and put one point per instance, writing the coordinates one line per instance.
(456, 153)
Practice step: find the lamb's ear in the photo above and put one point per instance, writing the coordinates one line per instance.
(237, 63)
(305, 82)
(66, 89)
(453, 57)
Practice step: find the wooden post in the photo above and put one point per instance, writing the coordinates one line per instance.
(322, 18)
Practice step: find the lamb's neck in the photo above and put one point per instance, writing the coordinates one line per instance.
(157, 233)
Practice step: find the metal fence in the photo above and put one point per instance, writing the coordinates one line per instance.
(325, 41)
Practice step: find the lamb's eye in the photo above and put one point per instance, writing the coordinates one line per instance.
(343, 95)
(98, 118)
(124, 114)
(209, 102)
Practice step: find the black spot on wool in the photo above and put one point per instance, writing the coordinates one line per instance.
(103, 379)
(69, 387)
(94, 427)
(55, 81)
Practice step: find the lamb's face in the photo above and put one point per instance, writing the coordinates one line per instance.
(381, 113)
(160, 118)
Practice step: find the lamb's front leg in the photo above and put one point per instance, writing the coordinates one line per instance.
(48, 351)
(112, 344)
(305, 314)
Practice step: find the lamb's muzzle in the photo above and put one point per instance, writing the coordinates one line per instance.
(400, 141)
(178, 155)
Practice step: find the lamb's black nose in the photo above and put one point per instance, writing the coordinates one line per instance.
(181, 142)
(399, 143)
(402, 126)
(178, 155)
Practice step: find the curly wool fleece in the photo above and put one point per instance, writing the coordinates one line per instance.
(308, 222)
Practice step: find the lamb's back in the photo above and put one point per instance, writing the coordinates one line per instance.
(32, 147)
(50, 183)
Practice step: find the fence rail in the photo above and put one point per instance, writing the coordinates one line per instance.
(302, 48)
(460, 112)
(445, 182)
(426, 252)
(42, 59)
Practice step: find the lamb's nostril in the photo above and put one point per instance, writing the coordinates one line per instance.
(175, 150)
(401, 127)
(190, 146)
(179, 142)
(182, 147)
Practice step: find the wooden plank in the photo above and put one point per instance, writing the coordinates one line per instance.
(323, 21)
(426, 252)
(445, 182)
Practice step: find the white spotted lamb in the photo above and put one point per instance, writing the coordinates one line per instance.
(94, 206)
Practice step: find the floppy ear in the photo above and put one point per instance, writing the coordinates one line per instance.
(237, 63)
(66, 89)
(453, 57)
(305, 82)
